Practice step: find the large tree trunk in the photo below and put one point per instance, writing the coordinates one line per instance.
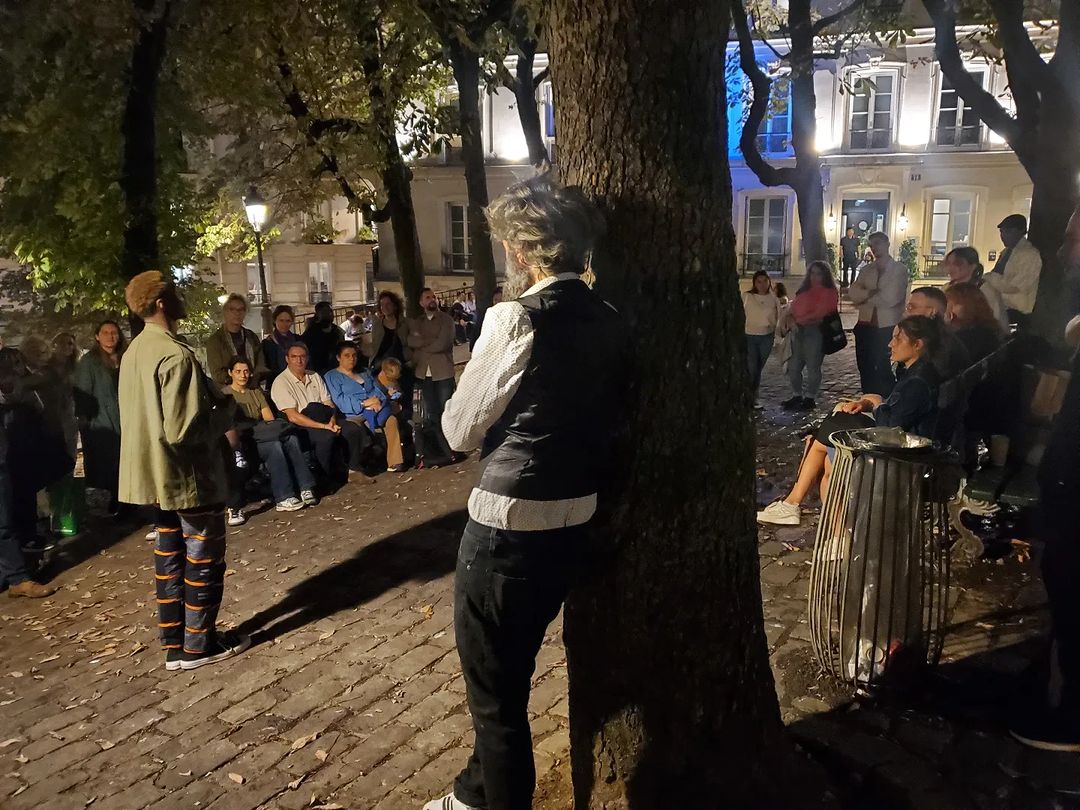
(138, 171)
(672, 702)
(807, 179)
(1052, 202)
(528, 111)
(466, 65)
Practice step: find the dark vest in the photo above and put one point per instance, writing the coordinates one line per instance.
(553, 442)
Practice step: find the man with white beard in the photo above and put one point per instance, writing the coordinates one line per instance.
(539, 395)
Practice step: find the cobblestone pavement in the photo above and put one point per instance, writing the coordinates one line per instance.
(352, 696)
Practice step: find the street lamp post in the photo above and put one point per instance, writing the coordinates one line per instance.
(256, 209)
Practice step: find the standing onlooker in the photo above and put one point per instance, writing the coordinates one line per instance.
(322, 337)
(231, 340)
(762, 316)
(849, 256)
(816, 299)
(1016, 272)
(781, 294)
(389, 338)
(431, 339)
(18, 506)
(528, 535)
(173, 420)
(277, 343)
(97, 406)
(879, 292)
(963, 266)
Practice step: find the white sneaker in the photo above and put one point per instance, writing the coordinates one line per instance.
(780, 513)
(236, 517)
(309, 498)
(289, 505)
(448, 802)
(151, 535)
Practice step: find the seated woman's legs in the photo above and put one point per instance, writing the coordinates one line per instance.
(811, 469)
(322, 444)
(357, 438)
(392, 433)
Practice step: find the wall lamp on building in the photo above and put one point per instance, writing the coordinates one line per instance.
(902, 220)
(257, 212)
(830, 221)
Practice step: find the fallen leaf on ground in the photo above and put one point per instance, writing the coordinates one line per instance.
(185, 773)
(105, 744)
(47, 660)
(300, 742)
(12, 741)
(22, 760)
(321, 755)
(428, 611)
(295, 783)
(238, 778)
(326, 635)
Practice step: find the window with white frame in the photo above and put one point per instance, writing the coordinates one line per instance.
(766, 231)
(957, 123)
(951, 219)
(254, 287)
(774, 133)
(873, 108)
(456, 257)
(320, 282)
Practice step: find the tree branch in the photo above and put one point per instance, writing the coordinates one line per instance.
(767, 173)
(541, 77)
(988, 108)
(828, 20)
(1020, 52)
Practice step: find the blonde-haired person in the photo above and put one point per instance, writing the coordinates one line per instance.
(233, 339)
(544, 460)
(172, 457)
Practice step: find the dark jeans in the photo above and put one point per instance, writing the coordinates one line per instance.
(872, 357)
(436, 394)
(508, 588)
(18, 514)
(847, 271)
(326, 446)
(285, 462)
(758, 349)
(1060, 570)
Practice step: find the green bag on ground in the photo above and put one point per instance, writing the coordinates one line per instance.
(67, 505)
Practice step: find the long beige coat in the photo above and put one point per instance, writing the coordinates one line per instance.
(172, 424)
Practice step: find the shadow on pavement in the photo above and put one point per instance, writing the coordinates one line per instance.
(418, 554)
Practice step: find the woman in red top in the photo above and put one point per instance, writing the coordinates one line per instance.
(816, 299)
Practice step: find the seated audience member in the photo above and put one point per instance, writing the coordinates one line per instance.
(970, 319)
(963, 266)
(359, 398)
(953, 357)
(275, 346)
(912, 406)
(302, 397)
(261, 436)
(354, 328)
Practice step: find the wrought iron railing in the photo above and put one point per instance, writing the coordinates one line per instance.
(772, 263)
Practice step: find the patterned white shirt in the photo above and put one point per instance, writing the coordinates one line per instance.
(487, 385)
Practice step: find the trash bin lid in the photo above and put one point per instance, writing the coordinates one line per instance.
(883, 438)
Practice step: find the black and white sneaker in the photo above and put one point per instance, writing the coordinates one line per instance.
(793, 404)
(448, 802)
(221, 646)
(172, 660)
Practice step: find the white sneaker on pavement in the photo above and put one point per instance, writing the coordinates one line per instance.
(780, 513)
(448, 802)
(236, 517)
(289, 505)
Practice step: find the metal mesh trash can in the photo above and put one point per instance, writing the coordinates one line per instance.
(880, 568)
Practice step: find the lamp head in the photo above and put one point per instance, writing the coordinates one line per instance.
(256, 209)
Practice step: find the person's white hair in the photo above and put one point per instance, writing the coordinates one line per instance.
(553, 228)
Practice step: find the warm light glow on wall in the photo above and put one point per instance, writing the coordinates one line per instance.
(510, 144)
(914, 130)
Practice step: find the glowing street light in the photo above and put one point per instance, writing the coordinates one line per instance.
(257, 211)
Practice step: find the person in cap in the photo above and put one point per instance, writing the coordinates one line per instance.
(173, 420)
(1016, 274)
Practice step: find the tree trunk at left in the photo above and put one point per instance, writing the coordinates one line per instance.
(138, 173)
(466, 65)
(672, 703)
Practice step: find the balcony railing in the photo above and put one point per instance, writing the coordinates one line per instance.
(772, 263)
(318, 296)
(934, 266)
(455, 263)
(258, 298)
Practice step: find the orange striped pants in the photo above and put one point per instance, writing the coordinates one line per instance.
(189, 570)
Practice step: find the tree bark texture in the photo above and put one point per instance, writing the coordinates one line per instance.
(138, 171)
(466, 66)
(672, 703)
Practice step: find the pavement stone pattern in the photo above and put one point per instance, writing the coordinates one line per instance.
(353, 697)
